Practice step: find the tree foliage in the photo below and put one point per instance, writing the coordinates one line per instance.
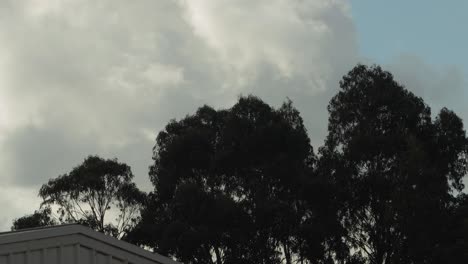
(229, 187)
(454, 245)
(40, 218)
(396, 167)
(87, 195)
(243, 185)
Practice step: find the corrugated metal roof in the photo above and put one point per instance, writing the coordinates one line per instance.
(76, 239)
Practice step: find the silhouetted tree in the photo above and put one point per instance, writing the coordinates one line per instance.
(39, 218)
(395, 168)
(243, 185)
(229, 185)
(454, 246)
(87, 195)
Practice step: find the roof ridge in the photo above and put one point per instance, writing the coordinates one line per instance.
(39, 228)
(69, 229)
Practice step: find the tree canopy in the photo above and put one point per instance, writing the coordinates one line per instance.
(87, 195)
(230, 187)
(243, 184)
(397, 167)
(39, 218)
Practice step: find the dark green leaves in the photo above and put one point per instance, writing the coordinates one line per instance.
(229, 186)
(243, 185)
(40, 218)
(393, 165)
(88, 193)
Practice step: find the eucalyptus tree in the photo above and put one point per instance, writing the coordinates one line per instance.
(98, 193)
(397, 168)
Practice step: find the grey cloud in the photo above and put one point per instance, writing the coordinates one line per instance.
(86, 77)
(15, 202)
(37, 154)
(439, 86)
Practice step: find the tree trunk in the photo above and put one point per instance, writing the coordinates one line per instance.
(218, 256)
(287, 252)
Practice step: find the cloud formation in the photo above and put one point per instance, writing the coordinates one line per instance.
(442, 86)
(81, 77)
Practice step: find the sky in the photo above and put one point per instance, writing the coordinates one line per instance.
(81, 77)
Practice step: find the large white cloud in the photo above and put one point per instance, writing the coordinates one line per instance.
(289, 36)
(81, 77)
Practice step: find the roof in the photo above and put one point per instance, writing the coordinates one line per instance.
(26, 235)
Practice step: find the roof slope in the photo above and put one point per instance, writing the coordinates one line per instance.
(78, 240)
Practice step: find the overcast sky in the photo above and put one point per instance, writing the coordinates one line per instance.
(80, 77)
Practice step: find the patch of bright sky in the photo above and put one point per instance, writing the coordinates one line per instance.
(435, 30)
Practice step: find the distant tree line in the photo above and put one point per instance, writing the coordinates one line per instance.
(244, 185)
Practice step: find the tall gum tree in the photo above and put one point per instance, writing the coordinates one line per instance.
(94, 192)
(397, 168)
(229, 187)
